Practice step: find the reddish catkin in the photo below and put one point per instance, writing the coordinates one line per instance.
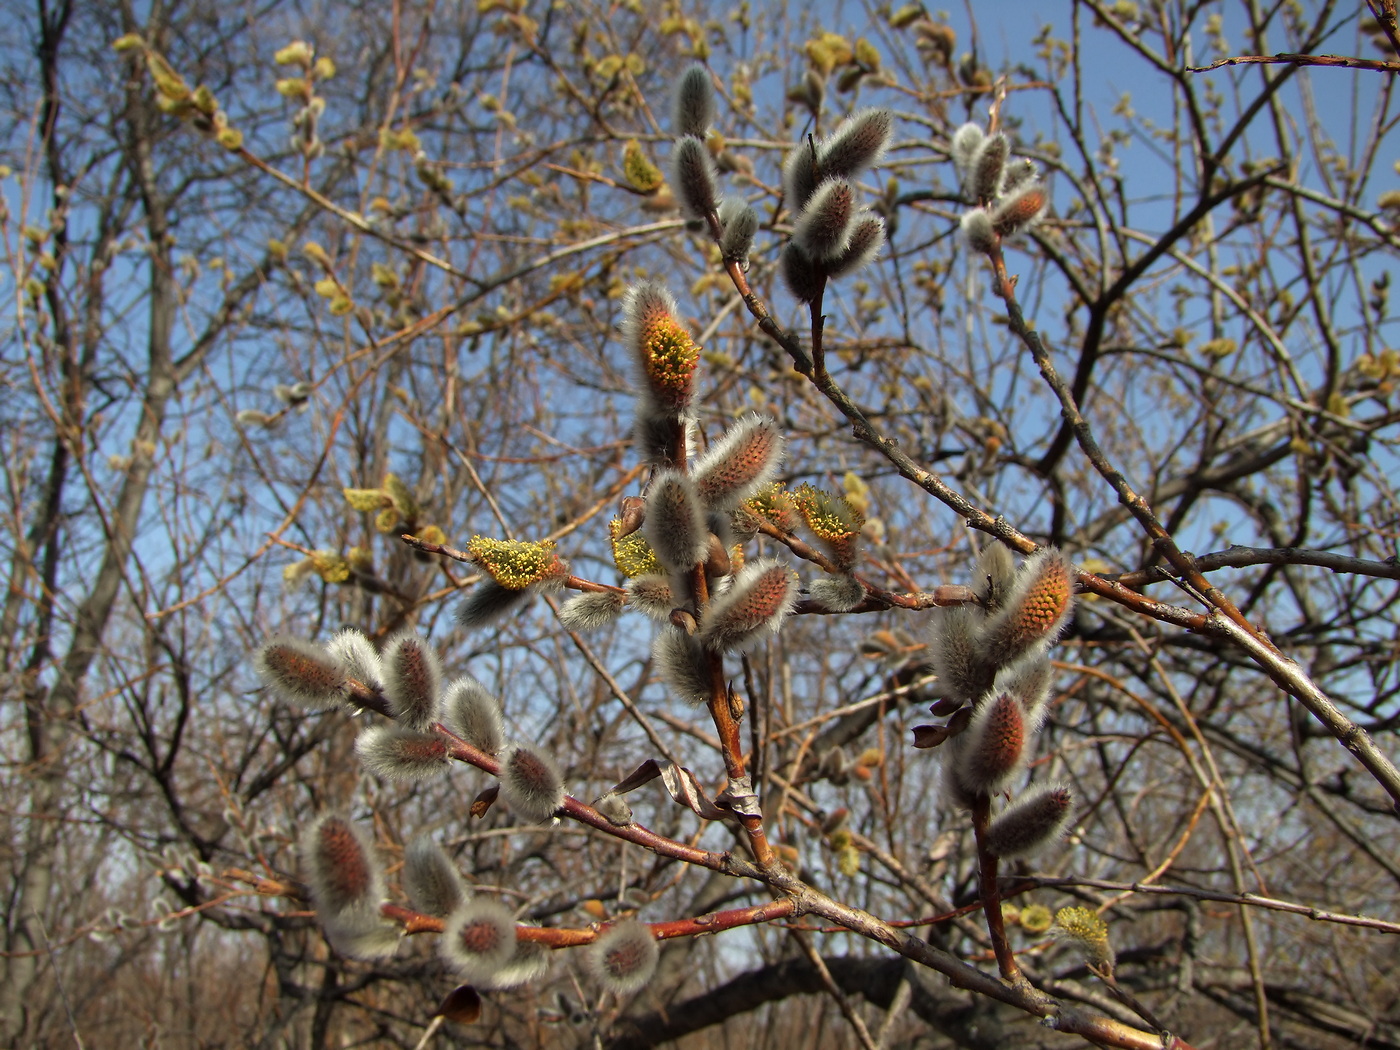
(1019, 210)
(752, 609)
(300, 672)
(740, 463)
(623, 958)
(347, 885)
(989, 754)
(340, 868)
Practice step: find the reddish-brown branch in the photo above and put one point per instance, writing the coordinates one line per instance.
(991, 897)
(1288, 59)
(567, 937)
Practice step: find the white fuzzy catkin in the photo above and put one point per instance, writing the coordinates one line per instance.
(799, 175)
(478, 939)
(1035, 820)
(412, 681)
(472, 711)
(867, 238)
(591, 610)
(489, 602)
(396, 753)
(432, 882)
(623, 958)
(739, 220)
(967, 141)
(824, 225)
(529, 963)
(675, 523)
(977, 230)
(857, 144)
(682, 665)
(953, 652)
(531, 783)
(693, 177)
(651, 595)
(837, 593)
(693, 105)
(357, 658)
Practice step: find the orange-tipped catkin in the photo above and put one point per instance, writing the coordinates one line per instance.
(478, 939)
(395, 753)
(432, 882)
(472, 711)
(623, 958)
(531, 783)
(1019, 210)
(752, 609)
(1029, 682)
(1033, 821)
(666, 355)
(412, 681)
(1036, 609)
(990, 753)
(300, 672)
(739, 463)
